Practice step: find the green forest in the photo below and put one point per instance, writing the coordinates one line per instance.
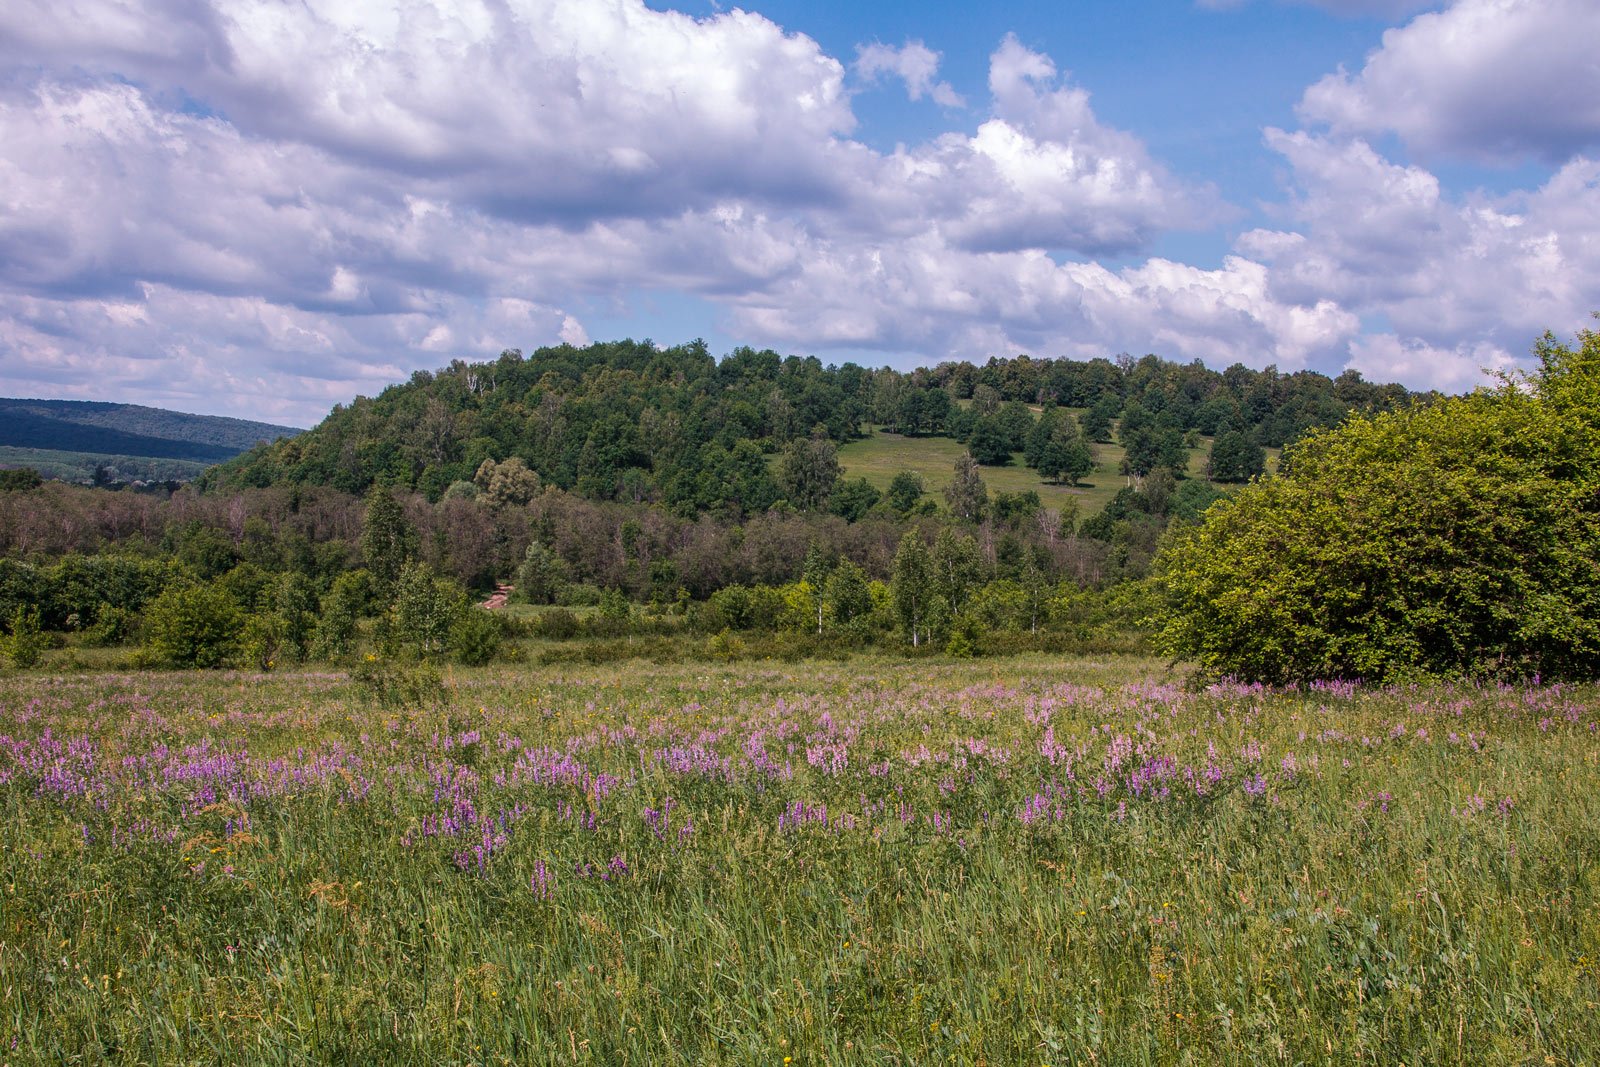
(658, 501)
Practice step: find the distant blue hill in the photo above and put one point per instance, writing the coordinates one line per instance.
(92, 430)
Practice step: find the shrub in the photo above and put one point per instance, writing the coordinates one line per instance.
(579, 595)
(399, 685)
(339, 612)
(725, 646)
(83, 585)
(424, 612)
(476, 638)
(112, 626)
(22, 647)
(557, 624)
(192, 626)
(294, 605)
(964, 634)
(262, 642)
(614, 616)
(541, 576)
(19, 480)
(1460, 537)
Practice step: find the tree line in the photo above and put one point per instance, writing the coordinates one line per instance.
(627, 421)
(266, 578)
(630, 489)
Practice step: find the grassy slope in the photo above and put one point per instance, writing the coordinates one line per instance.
(883, 455)
(861, 863)
(879, 457)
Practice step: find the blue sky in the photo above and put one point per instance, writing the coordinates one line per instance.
(260, 208)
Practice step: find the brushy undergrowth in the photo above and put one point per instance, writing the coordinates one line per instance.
(1020, 862)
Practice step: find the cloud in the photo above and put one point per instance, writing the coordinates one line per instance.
(1465, 366)
(571, 114)
(921, 295)
(1383, 238)
(1490, 80)
(264, 208)
(573, 333)
(535, 111)
(1389, 9)
(243, 355)
(261, 207)
(104, 191)
(1041, 172)
(914, 63)
(1462, 280)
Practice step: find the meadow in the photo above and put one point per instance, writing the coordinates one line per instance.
(874, 861)
(881, 455)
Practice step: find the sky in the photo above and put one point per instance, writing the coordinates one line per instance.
(261, 208)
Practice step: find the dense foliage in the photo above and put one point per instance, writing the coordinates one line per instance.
(1462, 536)
(645, 491)
(628, 421)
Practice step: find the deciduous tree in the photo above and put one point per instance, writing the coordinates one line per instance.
(1461, 536)
(912, 586)
(966, 495)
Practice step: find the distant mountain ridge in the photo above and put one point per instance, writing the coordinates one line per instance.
(90, 429)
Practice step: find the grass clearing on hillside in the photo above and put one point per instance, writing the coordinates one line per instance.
(1025, 861)
(881, 456)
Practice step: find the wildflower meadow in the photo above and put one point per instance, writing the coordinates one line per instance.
(877, 861)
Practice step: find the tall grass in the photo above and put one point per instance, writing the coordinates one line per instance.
(1033, 861)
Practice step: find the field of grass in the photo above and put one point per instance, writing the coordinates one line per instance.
(880, 457)
(1027, 861)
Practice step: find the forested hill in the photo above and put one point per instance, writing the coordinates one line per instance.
(81, 426)
(626, 420)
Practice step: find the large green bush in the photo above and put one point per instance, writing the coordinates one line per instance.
(476, 637)
(1457, 537)
(192, 626)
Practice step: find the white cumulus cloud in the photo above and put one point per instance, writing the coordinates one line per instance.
(265, 208)
(1496, 80)
(913, 63)
(1384, 238)
(1465, 366)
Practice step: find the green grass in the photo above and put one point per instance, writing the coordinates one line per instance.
(1030, 861)
(881, 455)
